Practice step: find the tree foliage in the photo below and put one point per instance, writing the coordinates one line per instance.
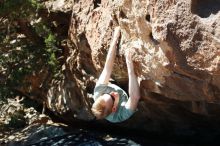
(27, 45)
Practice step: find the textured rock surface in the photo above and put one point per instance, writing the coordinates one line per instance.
(175, 46)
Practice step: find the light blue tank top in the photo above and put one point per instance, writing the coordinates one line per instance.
(122, 112)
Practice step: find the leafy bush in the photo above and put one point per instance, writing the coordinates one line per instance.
(27, 45)
(17, 120)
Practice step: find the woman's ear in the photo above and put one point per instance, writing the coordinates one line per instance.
(112, 93)
(113, 109)
(115, 94)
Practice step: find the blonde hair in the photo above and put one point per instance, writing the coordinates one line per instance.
(99, 110)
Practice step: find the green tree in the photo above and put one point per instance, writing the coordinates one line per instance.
(27, 45)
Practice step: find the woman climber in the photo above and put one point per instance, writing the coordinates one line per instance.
(112, 102)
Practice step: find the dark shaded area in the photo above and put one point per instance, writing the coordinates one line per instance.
(97, 3)
(57, 21)
(154, 40)
(203, 130)
(204, 8)
(147, 17)
(122, 15)
(94, 134)
(85, 138)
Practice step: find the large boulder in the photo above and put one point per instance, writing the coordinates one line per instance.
(175, 46)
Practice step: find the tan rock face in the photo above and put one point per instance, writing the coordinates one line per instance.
(175, 46)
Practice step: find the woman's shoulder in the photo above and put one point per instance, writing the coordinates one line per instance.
(103, 88)
(116, 87)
